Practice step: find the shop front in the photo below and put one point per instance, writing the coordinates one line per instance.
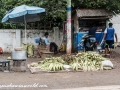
(84, 19)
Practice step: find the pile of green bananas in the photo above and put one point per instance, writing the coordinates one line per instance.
(87, 61)
(52, 64)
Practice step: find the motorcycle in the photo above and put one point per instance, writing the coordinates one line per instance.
(89, 43)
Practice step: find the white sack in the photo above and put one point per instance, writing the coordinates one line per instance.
(107, 63)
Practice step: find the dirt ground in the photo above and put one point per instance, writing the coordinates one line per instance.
(60, 80)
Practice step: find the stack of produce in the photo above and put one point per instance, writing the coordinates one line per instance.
(52, 64)
(86, 61)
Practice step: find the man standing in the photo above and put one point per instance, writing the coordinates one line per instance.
(92, 38)
(92, 30)
(108, 37)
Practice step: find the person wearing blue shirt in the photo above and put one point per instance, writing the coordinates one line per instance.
(50, 45)
(109, 34)
(46, 40)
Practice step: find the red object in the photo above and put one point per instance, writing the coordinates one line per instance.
(1, 50)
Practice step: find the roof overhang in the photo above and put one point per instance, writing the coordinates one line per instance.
(93, 14)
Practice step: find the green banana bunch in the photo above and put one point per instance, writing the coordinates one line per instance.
(86, 61)
(75, 65)
(52, 64)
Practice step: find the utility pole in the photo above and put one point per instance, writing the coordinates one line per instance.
(68, 49)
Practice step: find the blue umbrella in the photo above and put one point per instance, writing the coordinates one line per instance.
(23, 14)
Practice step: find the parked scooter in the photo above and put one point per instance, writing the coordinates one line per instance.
(89, 43)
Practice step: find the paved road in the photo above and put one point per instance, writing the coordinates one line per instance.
(112, 87)
(97, 80)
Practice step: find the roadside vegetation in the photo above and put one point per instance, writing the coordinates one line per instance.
(56, 9)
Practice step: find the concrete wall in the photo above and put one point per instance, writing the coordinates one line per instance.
(116, 24)
(9, 39)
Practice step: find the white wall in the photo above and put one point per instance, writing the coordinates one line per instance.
(116, 24)
(9, 39)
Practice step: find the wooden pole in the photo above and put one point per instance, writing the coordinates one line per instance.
(68, 49)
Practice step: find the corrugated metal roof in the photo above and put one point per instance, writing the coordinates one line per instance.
(92, 12)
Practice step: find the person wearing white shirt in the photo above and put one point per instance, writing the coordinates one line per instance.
(109, 34)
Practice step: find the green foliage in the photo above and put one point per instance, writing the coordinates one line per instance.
(111, 5)
(56, 9)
